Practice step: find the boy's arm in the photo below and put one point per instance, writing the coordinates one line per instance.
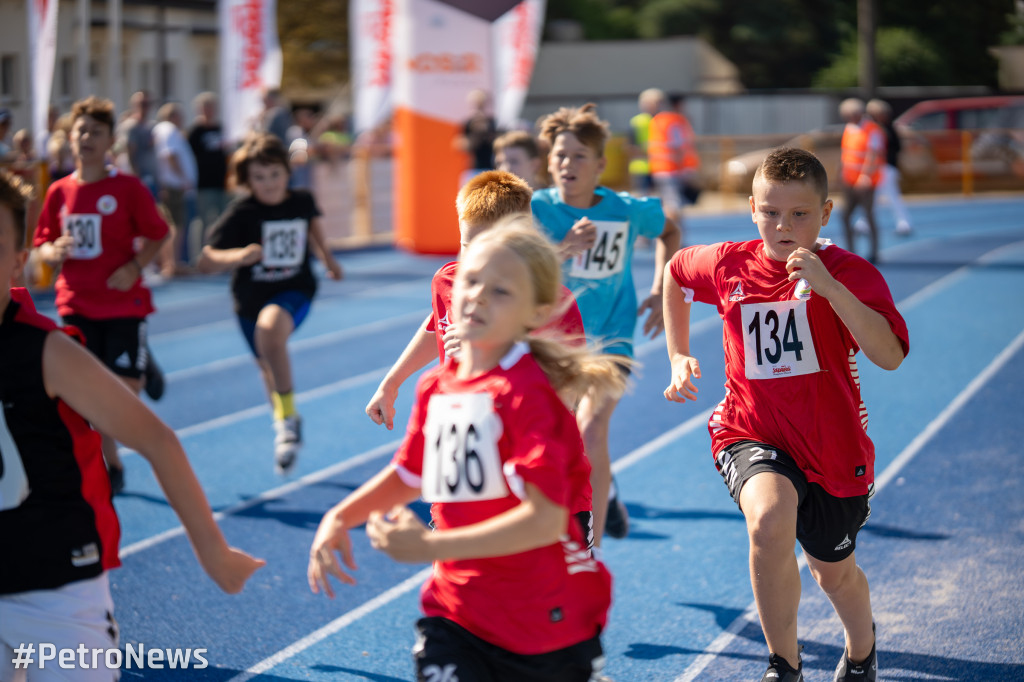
(72, 374)
(316, 237)
(421, 349)
(685, 368)
(666, 245)
(869, 327)
(219, 260)
(383, 491)
(125, 276)
(535, 522)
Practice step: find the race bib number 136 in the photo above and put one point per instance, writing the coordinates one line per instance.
(461, 462)
(777, 340)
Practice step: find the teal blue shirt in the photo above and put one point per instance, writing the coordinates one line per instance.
(602, 277)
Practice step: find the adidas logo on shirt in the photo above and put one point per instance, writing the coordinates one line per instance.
(844, 544)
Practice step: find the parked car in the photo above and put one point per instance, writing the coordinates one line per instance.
(931, 156)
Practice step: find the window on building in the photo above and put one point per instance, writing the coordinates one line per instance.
(9, 85)
(170, 86)
(145, 77)
(66, 78)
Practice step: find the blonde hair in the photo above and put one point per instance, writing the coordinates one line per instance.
(574, 371)
(492, 195)
(582, 122)
(15, 194)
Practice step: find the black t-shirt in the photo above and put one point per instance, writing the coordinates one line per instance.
(207, 144)
(892, 145)
(283, 231)
(480, 131)
(65, 529)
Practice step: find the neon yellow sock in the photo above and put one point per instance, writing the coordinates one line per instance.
(284, 404)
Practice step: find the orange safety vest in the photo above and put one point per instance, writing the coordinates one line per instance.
(670, 144)
(858, 158)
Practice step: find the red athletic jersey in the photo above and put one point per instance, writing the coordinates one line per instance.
(566, 320)
(56, 517)
(471, 446)
(791, 374)
(104, 217)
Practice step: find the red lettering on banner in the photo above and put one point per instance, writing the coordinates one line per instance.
(248, 21)
(522, 48)
(380, 29)
(445, 62)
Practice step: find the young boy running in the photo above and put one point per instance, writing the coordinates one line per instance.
(89, 225)
(264, 238)
(796, 310)
(596, 229)
(56, 514)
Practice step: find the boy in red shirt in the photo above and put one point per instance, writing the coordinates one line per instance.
(796, 309)
(89, 227)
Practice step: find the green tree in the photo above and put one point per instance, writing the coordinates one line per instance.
(905, 57)
(314, 43)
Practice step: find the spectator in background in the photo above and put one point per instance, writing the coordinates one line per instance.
(177, 176)
(888, 189)
(137, 134)
(861, 161)
(650, 102)
(5, 127)
(207, 142)
(301, 144)
(672, 153)
(275, 119)
(478, 133)
(61, 159)
(518, 152)
(42, 141)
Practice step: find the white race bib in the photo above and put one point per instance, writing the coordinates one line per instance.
(284, 242)
(607, 256)
(460, 454)
(777, 340)
(84, 228)
(13, 480)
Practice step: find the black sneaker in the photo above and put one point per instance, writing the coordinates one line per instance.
(779, 670)
(154, 378)
(865, 671)
(616, 525)
(116, 475)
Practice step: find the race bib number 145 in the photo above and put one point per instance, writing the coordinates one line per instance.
(777, 340)
(461, 462)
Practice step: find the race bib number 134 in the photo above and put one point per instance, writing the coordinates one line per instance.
(777, 340)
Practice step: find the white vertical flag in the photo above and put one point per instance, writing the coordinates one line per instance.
(42, 50)
(371, 25)
(250, 61)
(514, 39)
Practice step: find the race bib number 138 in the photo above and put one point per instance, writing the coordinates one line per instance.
(284, 243)
(461, 462)
(777, 340)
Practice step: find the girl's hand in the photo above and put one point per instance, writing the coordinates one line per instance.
(231, 568)
(655, 322)
(401, 535)
(331, 537)
(250, 255)
(684, 370)
(452, 344)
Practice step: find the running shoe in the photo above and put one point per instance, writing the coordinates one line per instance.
(866, 671)
(154, 378)
(779, 670)
(287, 443)
(616, 525)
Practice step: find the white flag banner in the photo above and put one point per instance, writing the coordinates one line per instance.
(515, 38)
(250, 61)
(42, 50)
(371, 27)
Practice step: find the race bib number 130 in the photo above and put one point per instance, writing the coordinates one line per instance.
(777, 340)
(460, 455)
(84, 229)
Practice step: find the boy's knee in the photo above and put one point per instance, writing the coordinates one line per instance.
(833, 578)
(771, 527)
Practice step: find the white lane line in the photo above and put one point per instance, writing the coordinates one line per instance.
(335, 625)
(299, 345)
(280, 491)
(749, 615)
